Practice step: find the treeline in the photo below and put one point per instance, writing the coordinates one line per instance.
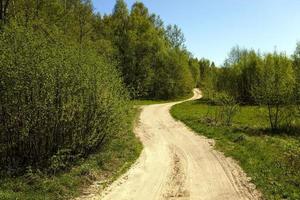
(249, 78)
(67, 74)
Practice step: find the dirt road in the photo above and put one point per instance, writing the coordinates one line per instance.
(178, 164)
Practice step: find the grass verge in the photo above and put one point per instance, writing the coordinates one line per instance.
(143, 102)
(110, 162)
(272, 161)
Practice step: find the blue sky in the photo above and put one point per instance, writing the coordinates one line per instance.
(213, 27)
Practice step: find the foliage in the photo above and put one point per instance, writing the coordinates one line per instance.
(296, 67)
(270, 80)
(275, 86)
(55, 96)
(220, 110)
(195, 71)
(207, 80)
(152, 57)
(105, 165)
(175, 36)
(228, 108)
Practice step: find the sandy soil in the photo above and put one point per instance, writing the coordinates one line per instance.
(177, 164)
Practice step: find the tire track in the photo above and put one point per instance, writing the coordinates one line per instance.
(176, 187)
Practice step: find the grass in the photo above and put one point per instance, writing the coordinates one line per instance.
(144, 102)
(148, 102)
(106, 165)
(271, 160)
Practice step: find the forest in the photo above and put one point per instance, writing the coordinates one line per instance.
(67, 76)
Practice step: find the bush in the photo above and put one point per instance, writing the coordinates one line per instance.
(55, 95)
(275, 87)
(226, 109)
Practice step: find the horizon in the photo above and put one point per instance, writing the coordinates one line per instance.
(224, 24)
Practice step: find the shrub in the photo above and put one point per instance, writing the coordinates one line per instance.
(55, 95)
(226, 109)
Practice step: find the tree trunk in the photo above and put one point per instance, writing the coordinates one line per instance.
(3, 10)
(270, 117)
(276, 116)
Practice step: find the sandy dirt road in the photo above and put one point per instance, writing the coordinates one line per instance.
(178, 164)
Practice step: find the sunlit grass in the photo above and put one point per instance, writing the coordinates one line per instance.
(271, 160)
(159, 101)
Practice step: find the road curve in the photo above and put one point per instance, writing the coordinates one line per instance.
(178, 164)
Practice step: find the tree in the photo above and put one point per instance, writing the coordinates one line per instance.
(209, 83)
(234, 56)
(3, 10)
(115, 27)
(175, 36)
(204, 66)
(138, 70)
(296, 66)
(118, 23)
(275, 86)
(174, 77)
(120, 10)
(195, 71)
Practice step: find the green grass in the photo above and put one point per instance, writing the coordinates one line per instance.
(272, 161)
(148, 102)
(107, 164)
(159, 101)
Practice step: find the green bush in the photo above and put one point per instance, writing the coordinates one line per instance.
(228, 108)
(221, 109)
(55, 95)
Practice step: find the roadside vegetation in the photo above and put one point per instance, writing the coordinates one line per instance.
(103, 166)
(67, 78)
(250, 108)
(144, 102)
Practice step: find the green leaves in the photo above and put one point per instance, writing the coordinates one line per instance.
(151, 58)
(269, 80)
(276, 80)
(55, 95)
(275, 87)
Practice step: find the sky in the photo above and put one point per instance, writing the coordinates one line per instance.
(213, 27)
